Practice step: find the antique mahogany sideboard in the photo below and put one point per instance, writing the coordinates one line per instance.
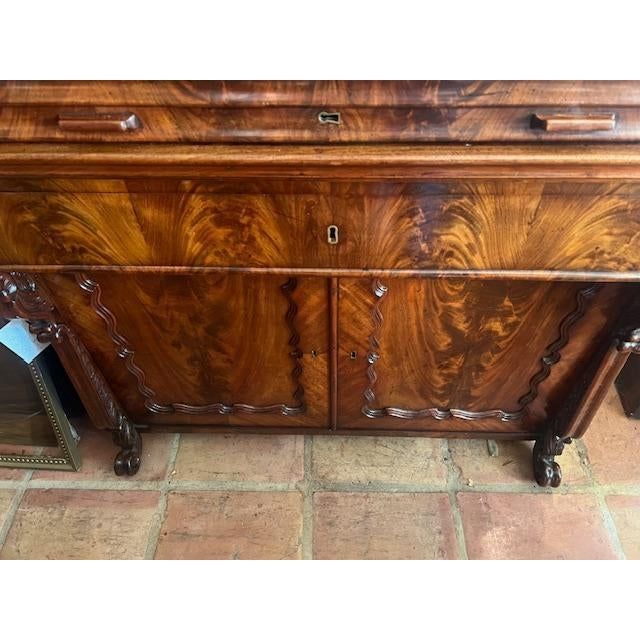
(409, 258)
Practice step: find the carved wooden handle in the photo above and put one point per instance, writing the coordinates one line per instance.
(106, 122)
(572, 123)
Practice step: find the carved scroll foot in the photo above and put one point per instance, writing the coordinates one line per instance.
(546, 470)
(127, 461)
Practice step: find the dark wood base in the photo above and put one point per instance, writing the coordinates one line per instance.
(628, 386)
(127, 460)
(546, 470)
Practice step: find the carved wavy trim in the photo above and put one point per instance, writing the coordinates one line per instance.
(552, 353)
(551, 356)
(125, 351)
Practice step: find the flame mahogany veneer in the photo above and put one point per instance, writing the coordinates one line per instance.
(407, 258)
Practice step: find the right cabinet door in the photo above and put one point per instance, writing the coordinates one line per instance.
(459, 354)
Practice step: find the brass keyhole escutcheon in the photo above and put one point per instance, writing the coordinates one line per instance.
(353, 355)
(329, 117)
(332, 234)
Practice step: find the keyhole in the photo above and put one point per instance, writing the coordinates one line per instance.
(353, 355)
(332, 234)
(329, 118)
(314, 353)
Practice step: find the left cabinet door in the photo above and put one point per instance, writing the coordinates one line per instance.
(218, 349)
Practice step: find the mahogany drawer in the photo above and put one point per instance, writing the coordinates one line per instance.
(430, 226)
(316, 124)
(319, 111)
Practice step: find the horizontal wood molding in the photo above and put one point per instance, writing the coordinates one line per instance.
(266, 93)
(366, 162)
(538, 275)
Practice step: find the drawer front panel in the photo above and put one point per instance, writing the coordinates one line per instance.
(163, 229)
(320, 124)
(464, 355)
(207, 349)
(463, 226)
(512, 225)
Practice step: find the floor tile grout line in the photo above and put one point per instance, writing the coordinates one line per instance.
(161, 510)
(307, 500)
(13, 508)
(10, 484)
(159, 485)
(377, 487)
(443, 488)
(605, 513)
(452, 486)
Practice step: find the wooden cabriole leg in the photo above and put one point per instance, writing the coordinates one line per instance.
(23, 296)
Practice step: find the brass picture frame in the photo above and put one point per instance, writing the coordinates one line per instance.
(66, 438)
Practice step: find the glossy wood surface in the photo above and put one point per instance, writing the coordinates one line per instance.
(449, 227)
(304, 125)
(425, 258)
(208, 349)
(335, 162)
(474, 355)
(372, 93)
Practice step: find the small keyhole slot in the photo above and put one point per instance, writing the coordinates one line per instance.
(353, 355)
(329, 118)
(314, 353)
(332, 234)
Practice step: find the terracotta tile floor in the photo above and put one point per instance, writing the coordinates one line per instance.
(208, 496)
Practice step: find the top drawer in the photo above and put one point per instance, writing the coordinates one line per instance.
(317, 124)
(319, 112)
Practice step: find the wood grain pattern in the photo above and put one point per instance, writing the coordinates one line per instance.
(551, 356)
(361, 161)
(303, 125)
(190, 282)
(374, 93)
(575, 122)
(125, 352)
(96, 122)
(454, 346)
(245, 360)
(524, 225)
(596, 386)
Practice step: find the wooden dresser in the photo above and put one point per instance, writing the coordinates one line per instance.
(406, 258)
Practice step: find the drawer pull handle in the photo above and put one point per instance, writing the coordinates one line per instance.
(571, 123)
(106, 122)
(332, 234)
(329, 118)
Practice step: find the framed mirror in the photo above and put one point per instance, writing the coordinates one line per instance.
(37, 407)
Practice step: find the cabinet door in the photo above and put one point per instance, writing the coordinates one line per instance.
(461, 354)
(205, 349)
